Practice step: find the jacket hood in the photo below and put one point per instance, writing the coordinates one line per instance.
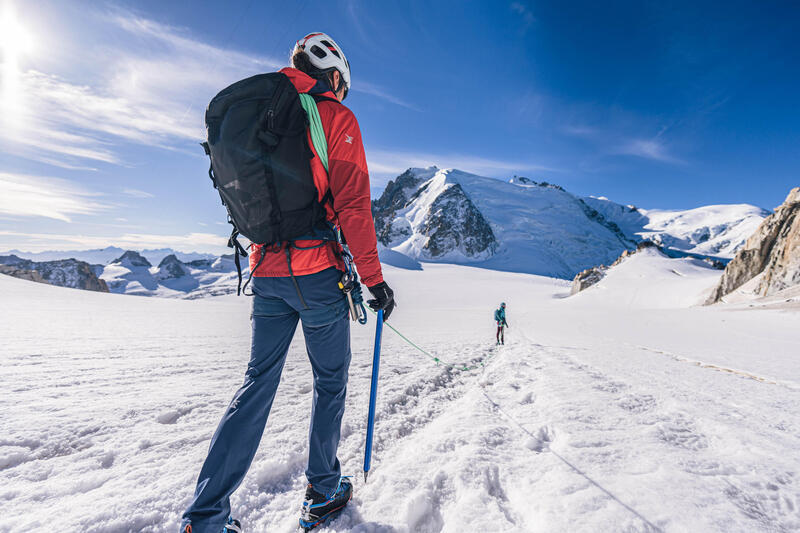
(306, 84)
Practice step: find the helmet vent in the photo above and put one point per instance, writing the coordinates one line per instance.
(319, 52)
(331, 48)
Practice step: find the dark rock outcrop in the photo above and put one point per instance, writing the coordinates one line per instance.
(527, 182)
(64, 273)
(587, 278)
(395, 196)
(29, 275)
(593, 214)
(170, 268)
(773, 251)
(454, 223)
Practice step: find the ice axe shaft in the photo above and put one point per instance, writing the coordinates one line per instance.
(373, 393)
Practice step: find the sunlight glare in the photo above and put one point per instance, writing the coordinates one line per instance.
(15, 41)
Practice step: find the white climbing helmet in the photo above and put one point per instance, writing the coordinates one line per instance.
(325, 54)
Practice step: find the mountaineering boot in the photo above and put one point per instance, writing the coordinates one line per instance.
(231, 526)
(317, 509)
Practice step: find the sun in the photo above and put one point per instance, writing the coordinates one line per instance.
(14, 39)
(15, 42)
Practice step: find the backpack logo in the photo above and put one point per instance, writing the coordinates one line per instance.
(348, 139)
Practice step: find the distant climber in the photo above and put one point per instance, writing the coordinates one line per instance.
(500, 318)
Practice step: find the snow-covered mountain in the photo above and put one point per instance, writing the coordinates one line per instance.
(446, 215)
(132, 273)
(451, 216)
(105, 255)
(712, 230)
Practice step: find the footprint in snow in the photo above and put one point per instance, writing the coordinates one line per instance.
(540, 440)
(171, 416)
(770, 503)
(609, 386)
(107, 459)
(681, 433)
(637, 403)
(527, 398)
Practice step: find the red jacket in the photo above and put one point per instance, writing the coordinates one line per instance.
(348, 180)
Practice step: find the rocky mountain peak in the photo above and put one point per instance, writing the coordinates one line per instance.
(398, 190)
(772, 252)
(425, 209)
(171, 267)
(132, 258)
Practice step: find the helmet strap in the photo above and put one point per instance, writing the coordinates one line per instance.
(329, 79)
(341, 86)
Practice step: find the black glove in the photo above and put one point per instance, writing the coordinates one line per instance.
(384, 299)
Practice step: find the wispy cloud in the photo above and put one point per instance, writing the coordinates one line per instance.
(611, 142)
(648, 149)
(136, 193)
(374, 90)
(25, 195)
(37, 242)
(526, 15)
(151, 90)
(578, 130)
(393, 162)
(147, 92)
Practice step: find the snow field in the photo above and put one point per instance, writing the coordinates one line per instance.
(593, 417)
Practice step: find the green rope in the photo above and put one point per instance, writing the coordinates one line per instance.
(315, 127)
(455, 366)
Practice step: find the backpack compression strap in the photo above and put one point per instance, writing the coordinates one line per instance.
(315, 128)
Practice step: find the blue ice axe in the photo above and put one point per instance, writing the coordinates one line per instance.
(373, 393)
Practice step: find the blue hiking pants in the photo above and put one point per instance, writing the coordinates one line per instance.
(277, 306)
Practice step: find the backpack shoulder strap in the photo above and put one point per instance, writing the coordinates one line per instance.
(315, 127)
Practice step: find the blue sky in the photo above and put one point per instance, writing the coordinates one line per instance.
(658, 104)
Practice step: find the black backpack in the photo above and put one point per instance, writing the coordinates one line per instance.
(260, 163)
